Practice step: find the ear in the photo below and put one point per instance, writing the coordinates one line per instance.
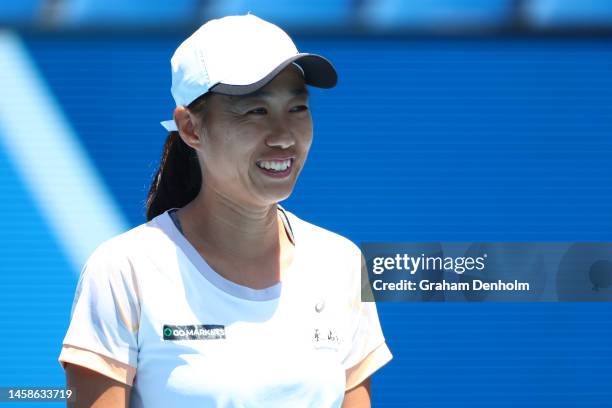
(187, 126)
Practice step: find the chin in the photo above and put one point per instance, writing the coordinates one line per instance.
(275, 198)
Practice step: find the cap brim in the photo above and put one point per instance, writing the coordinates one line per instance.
(318, 72)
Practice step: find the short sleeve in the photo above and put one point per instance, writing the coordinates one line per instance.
(105, 317)
(368, 351)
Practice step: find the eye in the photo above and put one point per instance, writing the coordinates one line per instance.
(299, 108)
(257, 111)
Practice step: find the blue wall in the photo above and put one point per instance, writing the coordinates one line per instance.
(422, 140)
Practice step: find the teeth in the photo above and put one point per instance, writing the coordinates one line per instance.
(276, 166)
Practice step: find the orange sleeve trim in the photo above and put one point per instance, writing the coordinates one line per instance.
(109, 367)
(377, 358)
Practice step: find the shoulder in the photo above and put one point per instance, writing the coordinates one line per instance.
(321, 239)
(333, 263)
(124, 249)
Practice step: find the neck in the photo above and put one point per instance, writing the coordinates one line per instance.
(232, 229)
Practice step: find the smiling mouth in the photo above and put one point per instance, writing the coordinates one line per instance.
(275, 166)
(279, 169)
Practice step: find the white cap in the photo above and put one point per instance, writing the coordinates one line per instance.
(237, 55)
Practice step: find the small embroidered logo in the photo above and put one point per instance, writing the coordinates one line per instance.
(326, 338)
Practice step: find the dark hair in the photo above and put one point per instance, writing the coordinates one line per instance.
(178, 179)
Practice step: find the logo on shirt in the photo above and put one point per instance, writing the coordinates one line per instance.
(325, 338)
(320, 306)
(194, 332)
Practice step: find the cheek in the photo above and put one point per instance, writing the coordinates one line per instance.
(228, 143)
(219, 157)
(304, 132)
(306, 145)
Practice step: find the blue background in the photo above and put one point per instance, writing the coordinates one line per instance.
(424, 139)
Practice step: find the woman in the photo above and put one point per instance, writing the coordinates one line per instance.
(223, 298)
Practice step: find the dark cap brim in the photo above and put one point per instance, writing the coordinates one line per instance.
(318, 72)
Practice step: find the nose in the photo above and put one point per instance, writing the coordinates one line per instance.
(280, 135)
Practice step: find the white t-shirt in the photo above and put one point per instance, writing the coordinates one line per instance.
(149, 312)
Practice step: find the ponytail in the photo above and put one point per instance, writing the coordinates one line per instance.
(178, 178)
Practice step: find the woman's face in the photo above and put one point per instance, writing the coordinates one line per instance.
(253, 147)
